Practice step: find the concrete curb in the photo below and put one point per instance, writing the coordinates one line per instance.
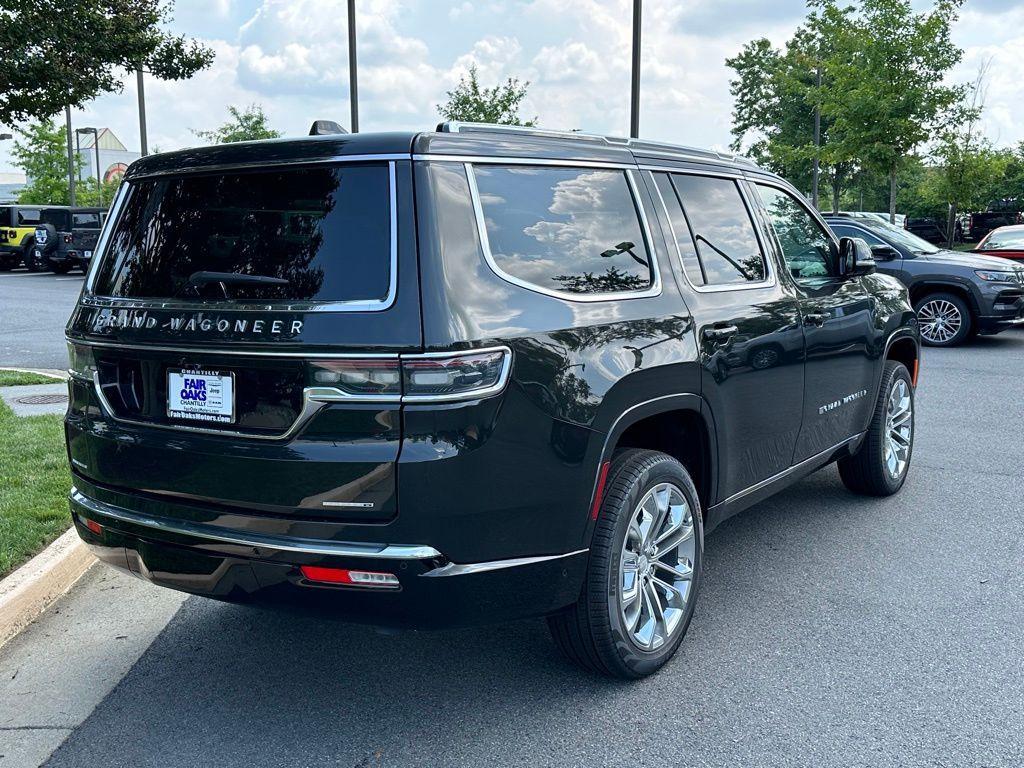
(33, 587)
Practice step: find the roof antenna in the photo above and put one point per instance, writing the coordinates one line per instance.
(325, 128)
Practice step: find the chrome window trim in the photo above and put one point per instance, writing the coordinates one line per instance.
(512, 160)
(723, 173)
(256, 540)
(481, 225)
(769, 282)
(89, 299)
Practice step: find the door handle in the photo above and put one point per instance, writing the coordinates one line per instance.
(720, 332)
(816, 318)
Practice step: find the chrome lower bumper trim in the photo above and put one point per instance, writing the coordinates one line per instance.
(454, 569)
(214, 533)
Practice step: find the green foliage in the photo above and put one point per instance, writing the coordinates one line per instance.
(59, 52)
(249, 124)
(41, 151)
(471, 103)
(90, 193)
(34, 483)
(15, 378)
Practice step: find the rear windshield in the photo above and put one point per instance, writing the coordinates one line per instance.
(85, 220)
(318, 234)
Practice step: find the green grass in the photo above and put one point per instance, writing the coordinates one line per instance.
(34, 483)
(15, 378)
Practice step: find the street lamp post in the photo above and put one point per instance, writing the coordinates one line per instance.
(143, 141)
(96, 146)
(353, 80)
(71, 158)
(634, 96)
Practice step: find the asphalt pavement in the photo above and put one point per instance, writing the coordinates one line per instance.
(34, 307)
(831, 630)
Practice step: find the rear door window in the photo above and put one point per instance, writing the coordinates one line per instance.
(27, 217)
(85, 220)
(564, 230)
(721, 229)
(319, 234)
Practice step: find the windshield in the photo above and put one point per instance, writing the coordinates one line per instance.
(901, 237)
(318, 234)
(1004, 241)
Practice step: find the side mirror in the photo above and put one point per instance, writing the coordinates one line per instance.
(855, 257)
(884, 252)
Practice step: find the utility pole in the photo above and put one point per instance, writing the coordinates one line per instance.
(634, 96)
(817, 137)
(144, 143)
(71, 156)
(353, 80)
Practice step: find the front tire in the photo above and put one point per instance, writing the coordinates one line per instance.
(945, 319)
(644, 572)
(880, 465)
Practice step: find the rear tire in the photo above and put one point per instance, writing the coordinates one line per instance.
(880, 465)
(644, 571)
(945, 319)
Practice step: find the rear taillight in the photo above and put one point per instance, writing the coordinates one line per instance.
(431, 377)
(323, 575)
(68, 239)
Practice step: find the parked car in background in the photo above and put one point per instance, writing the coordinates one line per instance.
(1005, 242)
(955, 294)
(1000, 213)
(471, 375)
(932, 230)
(882, 216)
(65, 240)
(17, 233)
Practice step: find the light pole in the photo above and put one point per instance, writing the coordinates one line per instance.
(634, 96)
(143, 142)
(353, 80)
(71, 158)
(96, 147)
(817, 138)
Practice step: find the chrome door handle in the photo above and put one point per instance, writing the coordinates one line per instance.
(720, 332)
(816, 318)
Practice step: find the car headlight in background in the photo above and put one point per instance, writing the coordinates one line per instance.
(996, 275)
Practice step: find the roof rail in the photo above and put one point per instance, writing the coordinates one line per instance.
(454, 126)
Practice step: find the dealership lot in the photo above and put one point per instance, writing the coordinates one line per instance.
(33, 310)
(832, 630)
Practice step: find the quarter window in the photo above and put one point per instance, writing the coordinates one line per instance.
(721, 229)
(805, 246)
(572, 230)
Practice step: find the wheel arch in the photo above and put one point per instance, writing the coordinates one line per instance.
(680, 425)
(926, 287)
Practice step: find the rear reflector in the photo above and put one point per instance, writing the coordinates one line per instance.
(602, 478)
(323, 575)
(93, 526)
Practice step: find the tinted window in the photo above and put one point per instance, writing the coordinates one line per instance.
(27, 217)
(326, 231)
(564, 229)
(85, 220)
(722, 230)
(805, 246)
(58, 218)
(681, 230)
(5, 216)
(842, 230)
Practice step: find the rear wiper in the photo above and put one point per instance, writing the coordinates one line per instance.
(234, 278)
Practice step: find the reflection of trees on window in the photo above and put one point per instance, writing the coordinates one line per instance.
(564, 225)
(805, 246)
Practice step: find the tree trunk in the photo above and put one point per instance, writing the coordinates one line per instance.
(837, 184)
(951, 225)
(892, 195)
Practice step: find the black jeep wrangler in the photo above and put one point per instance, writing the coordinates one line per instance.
(439, 379)
(64, 239)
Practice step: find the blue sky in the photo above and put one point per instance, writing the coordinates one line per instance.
(290, 56)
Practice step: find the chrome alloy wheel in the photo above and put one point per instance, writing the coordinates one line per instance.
(899, 426)
(656, 566)
(940, 321)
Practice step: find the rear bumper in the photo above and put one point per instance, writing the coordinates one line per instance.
(263, 569)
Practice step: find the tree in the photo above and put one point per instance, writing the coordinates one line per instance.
(245, 125)
(471, 103)
(55, 53)
(41, 151)
(885, 88)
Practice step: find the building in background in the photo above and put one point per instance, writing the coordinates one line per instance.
(114, 156)
(10, 185)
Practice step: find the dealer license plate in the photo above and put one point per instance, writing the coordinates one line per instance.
(201, 395)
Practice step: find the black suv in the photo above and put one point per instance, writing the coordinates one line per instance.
(65, 239)
(955, 294)
(448, 378)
